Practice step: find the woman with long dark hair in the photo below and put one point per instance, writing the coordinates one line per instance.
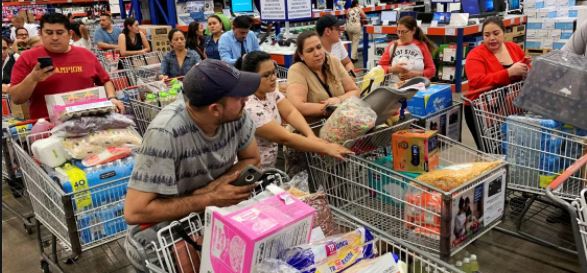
(411, 55)
(216, 28)
(195, 39)
(268, 108)
(132, 41)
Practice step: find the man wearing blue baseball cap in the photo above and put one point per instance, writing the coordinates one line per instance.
(186, 162)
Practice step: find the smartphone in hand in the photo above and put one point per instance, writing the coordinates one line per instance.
(248, 176)
(45, 61)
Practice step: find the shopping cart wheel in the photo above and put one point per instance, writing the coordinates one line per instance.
(45, 266)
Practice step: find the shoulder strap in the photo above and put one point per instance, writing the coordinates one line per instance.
(393, 52)
(325, 83)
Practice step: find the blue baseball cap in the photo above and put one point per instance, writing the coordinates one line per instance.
(210, 80)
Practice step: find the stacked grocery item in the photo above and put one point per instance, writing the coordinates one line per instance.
(278, 231)
(88, 153)
(551, 23)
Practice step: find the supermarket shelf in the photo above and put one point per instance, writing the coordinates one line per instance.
(51, 2)
(446, 30)
(366, 9)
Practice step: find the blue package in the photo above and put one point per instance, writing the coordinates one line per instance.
(344, 246)
(383, 181)
(435, 98)
(118, 171)
(532, 143)
(102, 223)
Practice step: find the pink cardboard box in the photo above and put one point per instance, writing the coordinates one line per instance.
(238, 241)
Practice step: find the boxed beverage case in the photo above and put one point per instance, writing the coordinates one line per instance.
(237, 240)
(434, 99)
(555, 88)
(415, 150)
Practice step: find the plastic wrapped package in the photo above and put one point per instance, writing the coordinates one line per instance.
(351, 119)
(82, 147)
(555, 88)
(387, 263)
(275, 266)
(333, 254)
(454, 176)
(85, 125)
(422, 212)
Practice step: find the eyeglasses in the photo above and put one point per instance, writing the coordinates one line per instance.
(402, 32)
(22, 34)
(268, 75)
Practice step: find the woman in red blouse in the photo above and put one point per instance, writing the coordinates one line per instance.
(493, 64)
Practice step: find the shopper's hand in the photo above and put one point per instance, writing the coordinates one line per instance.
(409, 75)
(40, 74)
(518, 69)
(119, 105)
(332, 101)
(225, 194)
(5, 88)
(399, 68)
(222, 193)
(336, 151)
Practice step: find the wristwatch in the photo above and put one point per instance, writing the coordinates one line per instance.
(112, 97)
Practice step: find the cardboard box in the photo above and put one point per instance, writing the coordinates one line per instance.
(435, 98)
(558, 45)
(534, 43)
(237, 241)
(565, 23)
(534, 24)
(155, 31)
(415, 150)
(566, 34)
(162, 45)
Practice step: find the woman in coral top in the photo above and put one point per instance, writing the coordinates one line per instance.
(410, 56)
(493, 64)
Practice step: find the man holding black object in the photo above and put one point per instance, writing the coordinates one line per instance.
(187, 160)
(56, 67)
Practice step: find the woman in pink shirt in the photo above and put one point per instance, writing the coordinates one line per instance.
(410, 56)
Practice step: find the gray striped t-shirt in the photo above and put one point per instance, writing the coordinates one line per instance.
(177, 158)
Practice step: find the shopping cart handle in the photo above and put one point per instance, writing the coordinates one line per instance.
(465, 95)
(563, 177)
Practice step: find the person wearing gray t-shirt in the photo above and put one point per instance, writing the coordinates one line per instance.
(578, 42)
(187, 159)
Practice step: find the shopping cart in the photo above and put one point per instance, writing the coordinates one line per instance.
(577, 209)
(87, 217)
(169, 243)
(396, 204)
(108, 58)
(146, 67)
(537, 152)
(11, 174)
(281, 72)
(145, 111)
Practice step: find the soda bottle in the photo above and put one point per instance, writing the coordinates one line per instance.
(474, 264)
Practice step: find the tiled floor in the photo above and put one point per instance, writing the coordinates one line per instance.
(497, 252)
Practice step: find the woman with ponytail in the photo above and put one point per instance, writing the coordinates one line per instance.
(411, 55)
